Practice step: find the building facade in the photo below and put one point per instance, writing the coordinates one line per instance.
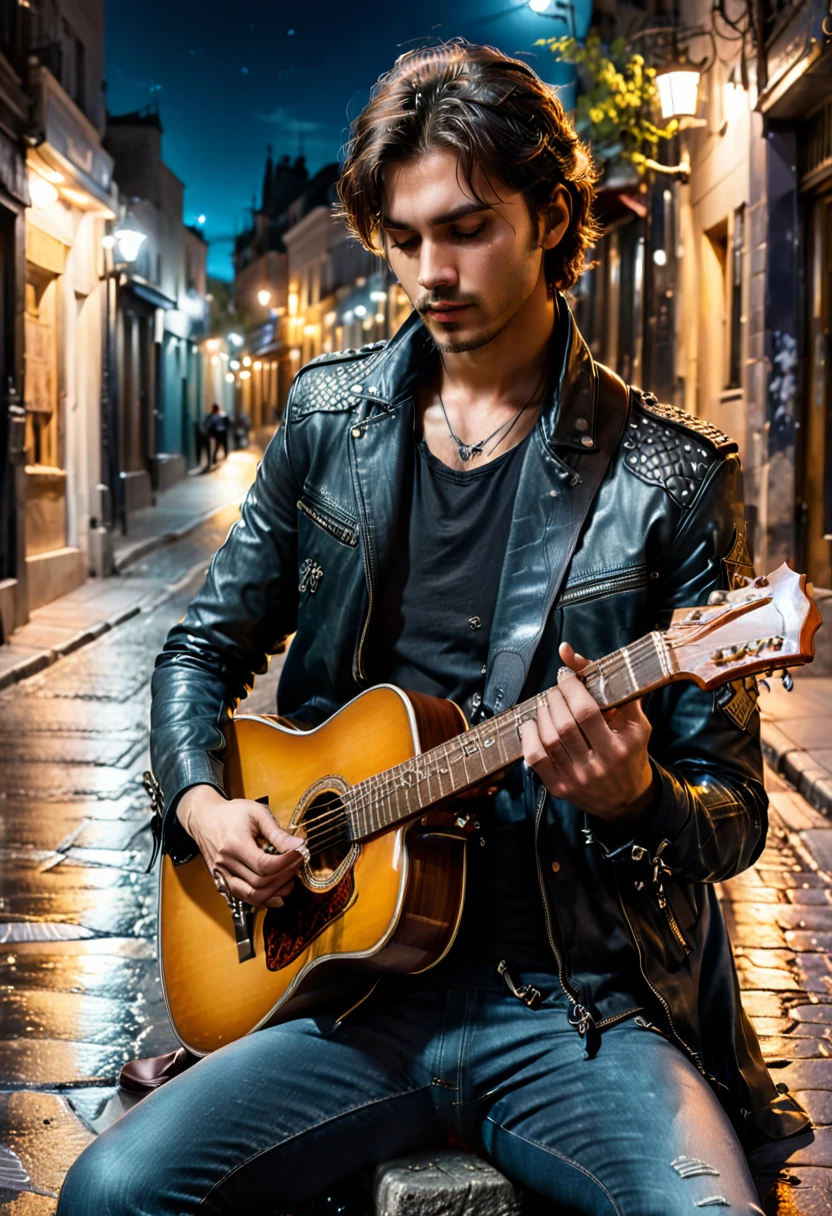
(57, 52)
(159, 317)
(711, 287)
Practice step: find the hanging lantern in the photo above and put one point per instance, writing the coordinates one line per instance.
(678, 86)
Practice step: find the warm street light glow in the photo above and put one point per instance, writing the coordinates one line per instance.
(130, 236)
(309, 330)
(246, 360)
(236, 339)
(368, 324)
(229, 377)
(360, 310)
(678, 85)
(294, 353)
(660, 257)
(380, 317)
(293, 303)
(257, 365)
(263, 296)
(245, 375)
(213, 344)
(42, 193)
(234, 365)
(378, 295)
(215, 360)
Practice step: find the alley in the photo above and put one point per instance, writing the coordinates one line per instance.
(81, 991)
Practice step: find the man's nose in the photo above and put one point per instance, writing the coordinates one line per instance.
(435, 269)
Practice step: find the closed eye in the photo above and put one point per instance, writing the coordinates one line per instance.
(407, 246)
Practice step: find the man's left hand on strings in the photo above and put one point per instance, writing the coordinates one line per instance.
(596, 760)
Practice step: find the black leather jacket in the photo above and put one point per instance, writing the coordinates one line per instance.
(308, 556)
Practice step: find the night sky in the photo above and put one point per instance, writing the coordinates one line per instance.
(232, 77)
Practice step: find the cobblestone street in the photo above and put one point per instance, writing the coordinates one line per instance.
(81, 993)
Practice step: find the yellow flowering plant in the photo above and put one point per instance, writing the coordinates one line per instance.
(617, 101)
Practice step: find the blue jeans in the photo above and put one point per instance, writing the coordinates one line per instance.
(277, 1117)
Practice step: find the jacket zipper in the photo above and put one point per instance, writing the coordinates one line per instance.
(326, 518)
(671, 920)
(583, 1018)
(596, 588)
(694, 1055)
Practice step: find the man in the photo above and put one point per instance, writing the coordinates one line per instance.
(473, 511)
(217, 426)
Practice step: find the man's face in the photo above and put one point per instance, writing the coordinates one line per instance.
(445, 248)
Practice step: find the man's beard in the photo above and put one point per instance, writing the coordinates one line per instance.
(449, 345)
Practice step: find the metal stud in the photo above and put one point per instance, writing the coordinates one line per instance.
(553, 493)
(356, 432)
(587, 442)
(581, 425)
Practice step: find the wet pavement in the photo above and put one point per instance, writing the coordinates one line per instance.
(78, 970)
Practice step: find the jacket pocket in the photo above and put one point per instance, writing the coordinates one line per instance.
(334, 521)
(634, 579)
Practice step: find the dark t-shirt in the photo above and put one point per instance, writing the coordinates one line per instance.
(432, 631)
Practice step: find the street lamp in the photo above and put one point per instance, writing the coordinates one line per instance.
(130, 237)
(678, 86)
(263, 296)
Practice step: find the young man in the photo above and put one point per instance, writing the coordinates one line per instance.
(474, 508)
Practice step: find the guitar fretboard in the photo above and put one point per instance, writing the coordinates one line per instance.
(407, 789)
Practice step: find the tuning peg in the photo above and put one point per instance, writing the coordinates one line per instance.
(788, 682)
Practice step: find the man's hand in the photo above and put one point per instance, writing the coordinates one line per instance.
(226, 832)
(597, 761)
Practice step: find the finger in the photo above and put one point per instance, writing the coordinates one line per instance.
(549, 736)
(268, 826)
(585, 711)
(537, 758)
(631, 717)
(571, 657)
(283, 868)
(568, 730)
(258, 895)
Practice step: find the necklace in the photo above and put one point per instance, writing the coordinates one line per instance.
(468, 450)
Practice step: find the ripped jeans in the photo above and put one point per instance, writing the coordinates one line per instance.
(279, 1116)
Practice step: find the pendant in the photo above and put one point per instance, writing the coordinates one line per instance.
(464, 452)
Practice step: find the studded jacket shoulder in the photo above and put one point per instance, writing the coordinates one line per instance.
(666, 445)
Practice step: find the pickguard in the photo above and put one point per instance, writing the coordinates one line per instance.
(287, 931)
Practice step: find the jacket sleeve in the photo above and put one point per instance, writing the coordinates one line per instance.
(243, 613)
(708, 820)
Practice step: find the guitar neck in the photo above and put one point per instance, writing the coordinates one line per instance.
(407, 789)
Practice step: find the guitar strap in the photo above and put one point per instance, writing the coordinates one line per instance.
(509, 667)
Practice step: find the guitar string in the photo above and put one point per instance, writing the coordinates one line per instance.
(376, 789)
(334, 814)
(331, 834)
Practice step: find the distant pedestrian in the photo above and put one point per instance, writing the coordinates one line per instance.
(217, 424)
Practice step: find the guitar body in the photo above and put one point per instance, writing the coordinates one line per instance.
(392, 903)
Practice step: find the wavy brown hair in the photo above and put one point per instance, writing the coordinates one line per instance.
(494, 112)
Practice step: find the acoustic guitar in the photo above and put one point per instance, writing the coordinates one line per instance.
(374, 792)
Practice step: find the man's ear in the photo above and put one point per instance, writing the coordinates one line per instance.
(556, 218)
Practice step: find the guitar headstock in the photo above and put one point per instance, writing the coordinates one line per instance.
(768, 624)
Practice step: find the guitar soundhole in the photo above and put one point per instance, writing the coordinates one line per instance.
(323, 821)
